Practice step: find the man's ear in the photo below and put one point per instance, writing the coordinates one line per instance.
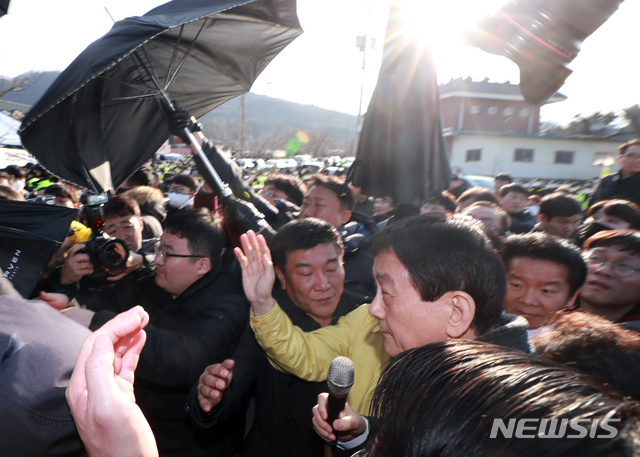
(463, 310)
(542, 219)
(345, 215)
(141, 222)
(282, 278)
(204, 266)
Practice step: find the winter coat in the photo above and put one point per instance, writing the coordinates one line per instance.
(200, 327)
(282, 424)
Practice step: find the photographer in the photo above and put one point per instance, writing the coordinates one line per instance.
(121, 221)
(197, 315)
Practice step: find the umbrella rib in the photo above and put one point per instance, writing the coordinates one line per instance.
(175, 53)
(186, 54)
(149, 69)
(148, 90)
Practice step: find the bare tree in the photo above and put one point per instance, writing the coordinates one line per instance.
(632, 114)
(19, 83)
(320, 143)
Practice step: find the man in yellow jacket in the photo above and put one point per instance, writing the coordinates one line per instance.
(437, 280)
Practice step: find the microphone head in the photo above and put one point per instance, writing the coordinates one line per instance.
(340, 377)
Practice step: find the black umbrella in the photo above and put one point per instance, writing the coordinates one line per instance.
(23, 257)
(103, 117)
(4, 7)
(401, 152)
(49, 221)
(29, 234)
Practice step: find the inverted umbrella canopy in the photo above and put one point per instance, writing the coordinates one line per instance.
(103, 117)
(401, 152)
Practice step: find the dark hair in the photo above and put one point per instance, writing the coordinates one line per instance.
(202, 230)
(14, 171)
(623, 147)
(443, 399)
(596, 346)
(303, 234)
(119, 206)
(478, 194)
(560, 205)
(58, 190)
(144, 194)
(513, 188)
(290, 185)
(339, 187)
(447, 255)
(443, 200)
(626, 240)
(505, 219)
(185, 180)
(503, 177)
(542, 246)
(623, 209)
(140, 177)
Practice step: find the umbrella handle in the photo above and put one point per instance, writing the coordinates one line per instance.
(204, 165)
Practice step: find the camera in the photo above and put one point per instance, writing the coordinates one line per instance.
(109, 253)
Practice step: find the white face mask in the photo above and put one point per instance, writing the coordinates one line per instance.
(177, 200)
(18, 185)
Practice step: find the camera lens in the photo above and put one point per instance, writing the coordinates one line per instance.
(114, 254)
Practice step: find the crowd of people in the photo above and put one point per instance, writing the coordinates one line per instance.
(481, 307)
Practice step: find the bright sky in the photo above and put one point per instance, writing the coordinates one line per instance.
(324, 68)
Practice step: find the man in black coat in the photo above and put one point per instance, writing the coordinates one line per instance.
(307, 255)
(624, 184)
(197, 315)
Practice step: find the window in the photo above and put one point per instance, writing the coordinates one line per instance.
(474, 155)
(523, 155)
(524, 112)
(475, 109)
(564, 157)
(508, 112)
(605, 159)
(492, 110)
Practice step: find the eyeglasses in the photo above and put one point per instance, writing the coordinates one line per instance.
(164, 255)
(617, 268)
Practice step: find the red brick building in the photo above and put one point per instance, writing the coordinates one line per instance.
(481, 106)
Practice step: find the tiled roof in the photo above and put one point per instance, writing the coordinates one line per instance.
(488, 88)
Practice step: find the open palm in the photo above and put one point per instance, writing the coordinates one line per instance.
(258, 275)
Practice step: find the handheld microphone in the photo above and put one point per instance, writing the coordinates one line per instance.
(340, 378)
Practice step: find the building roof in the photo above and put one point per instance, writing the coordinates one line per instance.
(450, 132)
(466, 87)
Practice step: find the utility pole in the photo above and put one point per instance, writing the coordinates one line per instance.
(362, 43)
(242, 127)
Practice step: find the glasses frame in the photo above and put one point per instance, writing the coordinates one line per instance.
(614, 265)
(164, 255)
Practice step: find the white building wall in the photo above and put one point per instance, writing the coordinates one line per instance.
(498, 152)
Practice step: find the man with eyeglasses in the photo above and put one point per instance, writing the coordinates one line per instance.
(624, 184)
(197, 315)
(612, 288)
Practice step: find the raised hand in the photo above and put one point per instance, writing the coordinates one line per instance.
(100, 392)
(212, 384)
(258, 275)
